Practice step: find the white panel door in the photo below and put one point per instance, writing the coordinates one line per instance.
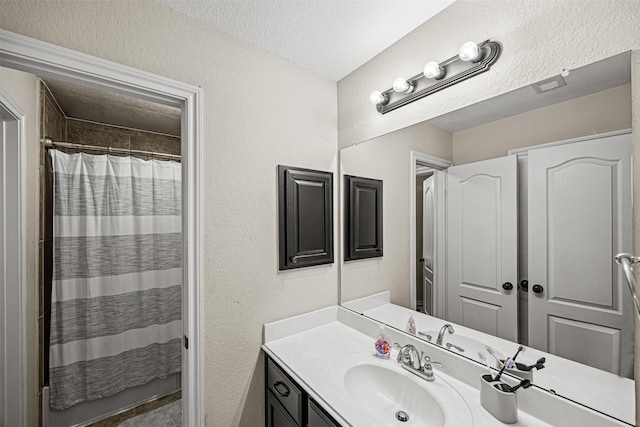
(482, 246)
(428, 211)
(579, 219)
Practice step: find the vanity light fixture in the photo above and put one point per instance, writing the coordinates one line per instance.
(378, 97)
(433, 70)
(470, 52)
(472, 59)
(401, 85)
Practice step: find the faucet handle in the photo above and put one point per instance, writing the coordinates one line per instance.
(427, 362)
(427, 367)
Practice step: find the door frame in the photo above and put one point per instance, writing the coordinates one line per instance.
(45, 59)
(525, 150)
(417, 160)
(13, 285)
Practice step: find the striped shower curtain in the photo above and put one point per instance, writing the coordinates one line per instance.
(117, 275)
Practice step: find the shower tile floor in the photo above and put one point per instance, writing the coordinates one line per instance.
(169, 415)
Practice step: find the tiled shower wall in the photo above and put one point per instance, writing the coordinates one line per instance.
(53, 124)
(90, 133)
(57, 126)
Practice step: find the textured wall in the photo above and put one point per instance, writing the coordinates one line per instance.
(259, 111)
(539, 39)
(387, 158)
(599, 112)
(23, 88)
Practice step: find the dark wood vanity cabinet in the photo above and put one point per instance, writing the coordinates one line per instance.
(318, 417)
(276, 415)
(287, 404)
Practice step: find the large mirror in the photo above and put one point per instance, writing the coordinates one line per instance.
(502, 220)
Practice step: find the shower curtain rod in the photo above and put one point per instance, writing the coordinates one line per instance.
(50, 143)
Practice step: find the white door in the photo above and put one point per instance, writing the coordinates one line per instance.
(482, 246)
(579, 219)
(428, 206)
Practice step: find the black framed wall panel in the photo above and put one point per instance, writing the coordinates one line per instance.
(363, 218)
(305, 217)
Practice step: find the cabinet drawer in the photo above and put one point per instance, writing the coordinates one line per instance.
(285, 391)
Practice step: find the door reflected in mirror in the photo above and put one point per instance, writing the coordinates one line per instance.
(503, 219)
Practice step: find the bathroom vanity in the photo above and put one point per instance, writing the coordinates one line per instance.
(321, 370)
(592, 387)
(288, 404)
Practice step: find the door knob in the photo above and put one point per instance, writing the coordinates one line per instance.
(421, 259)
(524, 285)
(507, 286)
(537, 289)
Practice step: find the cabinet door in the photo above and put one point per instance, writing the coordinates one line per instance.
(318, 418)
(362, 218)
(305, 203)
(276, 415)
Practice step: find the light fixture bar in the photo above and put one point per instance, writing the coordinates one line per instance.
(456, 70)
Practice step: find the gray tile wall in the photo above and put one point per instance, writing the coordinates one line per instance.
(53, 124)
(52, 118)
(102, 135)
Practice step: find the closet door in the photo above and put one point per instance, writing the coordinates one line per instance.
(482, 246)
(579, 219)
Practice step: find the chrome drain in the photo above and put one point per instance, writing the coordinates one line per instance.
(402, 416)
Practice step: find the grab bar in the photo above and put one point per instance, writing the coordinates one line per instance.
(625, 260)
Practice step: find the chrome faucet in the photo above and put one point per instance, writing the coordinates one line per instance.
(446, 327)
(409, 356)
(416, 362)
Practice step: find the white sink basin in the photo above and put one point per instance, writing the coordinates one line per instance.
(380, 389)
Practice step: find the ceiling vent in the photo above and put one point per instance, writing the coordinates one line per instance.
(549, 84)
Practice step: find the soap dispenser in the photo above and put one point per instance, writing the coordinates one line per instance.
(411, 325)
(383, 344)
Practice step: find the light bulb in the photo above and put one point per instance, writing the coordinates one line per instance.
(402, 85)
(433, 70)
(378, 97)
(469, 52)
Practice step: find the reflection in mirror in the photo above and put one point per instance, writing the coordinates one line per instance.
(515, 244)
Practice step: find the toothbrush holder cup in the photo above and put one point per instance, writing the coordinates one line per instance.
(503, 405)
(517, 371)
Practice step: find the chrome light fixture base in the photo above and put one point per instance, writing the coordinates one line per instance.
(456, 70)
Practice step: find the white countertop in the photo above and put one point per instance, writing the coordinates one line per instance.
(310, 347)
(592, 387)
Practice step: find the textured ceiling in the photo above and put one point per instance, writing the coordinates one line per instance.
(330, 37)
